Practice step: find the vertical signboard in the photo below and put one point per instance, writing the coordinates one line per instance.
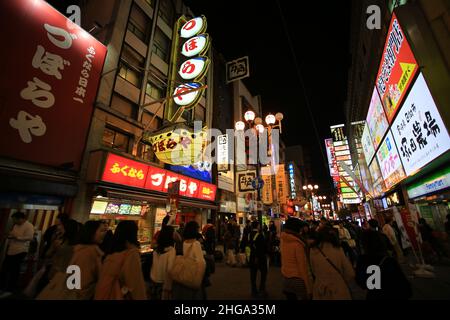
(376, 120)
(397, 69)
(281, 185)
(222, 153)
(418, 130)
(267, 190)
(50, 75)
(367, 145)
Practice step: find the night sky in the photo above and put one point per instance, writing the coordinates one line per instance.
(319, 33)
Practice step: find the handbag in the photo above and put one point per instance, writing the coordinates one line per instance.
(187, 271)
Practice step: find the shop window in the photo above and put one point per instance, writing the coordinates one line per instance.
(131, 66)
(139, 23)
(154, 91)
(161, 45)
(166, 11)
(116, 140)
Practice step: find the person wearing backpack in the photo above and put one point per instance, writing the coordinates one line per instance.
(257, 260)
(394, 284)
(163, 258)
(121, 275)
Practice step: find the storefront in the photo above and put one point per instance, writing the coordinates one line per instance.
(126, 189)
(432, 195)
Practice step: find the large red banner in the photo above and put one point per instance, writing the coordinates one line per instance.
(131, 173)
(397, 69)
(50, 74)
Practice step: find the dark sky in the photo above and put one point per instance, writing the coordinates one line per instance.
(319, 33)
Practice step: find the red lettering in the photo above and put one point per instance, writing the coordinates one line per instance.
(191, 24)
(188, 67)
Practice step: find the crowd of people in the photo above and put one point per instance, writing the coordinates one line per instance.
(319, 260)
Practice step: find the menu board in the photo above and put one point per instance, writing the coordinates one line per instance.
(390, 163)
(367, 145)
(418, 130)
(112, 208)
(376, 119)
(99, 207)
(135, 210)
(125, 209)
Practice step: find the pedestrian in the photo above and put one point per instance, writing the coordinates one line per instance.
(192, 249)
(389, 231)
(18, 245)
(51, 234)
(294, 262)
(163, 258)
(121, 275)
(229, 241)
(87, 256)
(431, 244)
(392, 282)
(258, 259)
(331, 269)
(209, 233)
(60, 253)
(447, 224)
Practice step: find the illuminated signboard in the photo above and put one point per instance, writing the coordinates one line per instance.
(438, 181)
(376, 120)
(50, 75)
(418, 130)
(390, 163)
(397, 69)
(292, 181)
(334, 171)
(367, 145)
(120, 170)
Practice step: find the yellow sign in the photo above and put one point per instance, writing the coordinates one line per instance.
(281, 184)
(178, 145)
(267, 191)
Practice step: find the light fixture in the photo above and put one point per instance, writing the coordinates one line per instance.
(249, 116)
(304, 188)
(324, 197)
(279, 116)
(240, 126)
(260, 128)
(270, 119)
(316, 187)
(258, 120)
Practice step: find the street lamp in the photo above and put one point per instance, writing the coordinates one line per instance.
(256, 123)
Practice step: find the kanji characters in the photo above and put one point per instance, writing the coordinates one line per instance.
(83, 82)
(405, 150)
(41, 98)
(413, 145)
(430, 125)
(80, 91)
(64, 40)
(28, 126)
(49, 63)
(417, 131)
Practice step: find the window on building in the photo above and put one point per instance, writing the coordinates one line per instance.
(154, 91)
(150, 3)
(131, 66)
(140, 23)
(145, 152)
(124, 106)
(116, 140)
(166, 11)
(161, 45)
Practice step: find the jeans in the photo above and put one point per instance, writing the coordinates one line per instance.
(9, 276)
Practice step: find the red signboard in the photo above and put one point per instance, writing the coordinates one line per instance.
(397, 69)
(50, 74)
(117, 170)
(124, 171)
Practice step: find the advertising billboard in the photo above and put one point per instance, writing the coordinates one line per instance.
(418, 130)
(376, 120)
(397, 69)
(390, 163)
(367, 145)
(50, 75)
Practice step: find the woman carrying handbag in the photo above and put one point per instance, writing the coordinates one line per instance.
(188, 270)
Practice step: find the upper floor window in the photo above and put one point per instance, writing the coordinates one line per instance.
(166, 11)
(140, 23)
(116, 140)
(154, 91)
(161, 45)
(131, 66)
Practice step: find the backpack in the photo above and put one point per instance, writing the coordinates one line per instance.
(251, 245)
(110, 287)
